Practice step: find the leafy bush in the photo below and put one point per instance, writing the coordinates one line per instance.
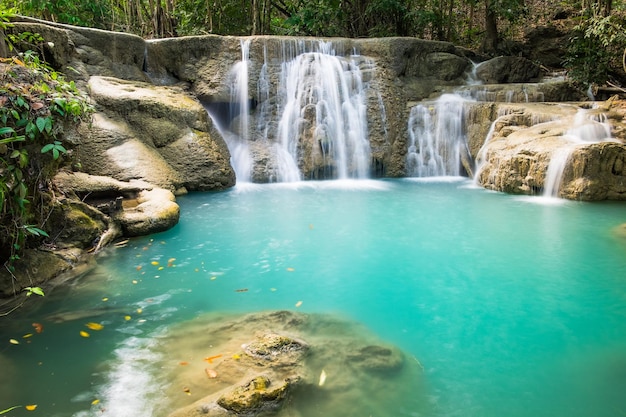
(36, 105)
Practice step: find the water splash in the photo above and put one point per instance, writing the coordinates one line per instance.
(437, 138)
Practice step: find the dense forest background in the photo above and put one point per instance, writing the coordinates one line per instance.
(596, 28)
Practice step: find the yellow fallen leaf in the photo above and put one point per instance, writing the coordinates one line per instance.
(84, 333)
(187, 391)
(169, 261)
(14, 342)
(27, 335)
(96, 401)
(31, 407)
(127, 318)
(94, 326)
(155, 263)
(236, 357)
(134, 281)
(161, 268)
(213, 278)
(105, 299)
(139, 311)
(299, 303)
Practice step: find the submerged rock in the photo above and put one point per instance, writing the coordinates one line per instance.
(297, 359)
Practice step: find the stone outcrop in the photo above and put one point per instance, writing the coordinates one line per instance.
(507, 69)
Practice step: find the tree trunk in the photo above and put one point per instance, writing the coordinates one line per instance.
(4, 50)
(256, 17)
(490, 41)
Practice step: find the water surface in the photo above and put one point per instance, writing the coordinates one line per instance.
(511, 306)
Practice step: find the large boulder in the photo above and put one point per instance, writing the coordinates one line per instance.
(156, 134)
(507, 69)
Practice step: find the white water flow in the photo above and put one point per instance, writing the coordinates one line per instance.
(323, 92)
(588, 127)
(237, 138)
(437, 138)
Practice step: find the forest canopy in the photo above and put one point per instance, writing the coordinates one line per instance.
(596, 27)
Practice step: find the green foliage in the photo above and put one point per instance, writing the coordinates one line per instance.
(9, 409)
(33, 290)
(595, 48)
(36, 104)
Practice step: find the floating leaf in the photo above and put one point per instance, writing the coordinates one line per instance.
(96, 401)
(138, 268)
(27, 335)
(196, 270)
(236, 356)
(161, 268)
(94, 326)
(38, 327)
(169, 261)
(211, 373)
(213, 278)
(210, 359)
(127, 318)
(183, 363)
(186, 390)
(299, 303)
(31, 407)
(14, 342)
(135, 281)
(241, 290)
(322, 378)
(155, 263)
(139, 311)
(311, 226)
(105, 299)
(290, 269)
(272, 289)
(84, 333)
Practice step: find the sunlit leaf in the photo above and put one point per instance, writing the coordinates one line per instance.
(31, 407)
(155, 263)
(134, 281)
(127, 318)
(84, 333)
(210, 359)
(322, 378)
(105, 299)
(139, 311)
(14, 342)
(213, 278)
(38, 327)
(96, 401)
(161, 268)
(299, 303)
(27, 335)
(94, 326)
(236, 356)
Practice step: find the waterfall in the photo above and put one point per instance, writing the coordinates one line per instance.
(237, 133)
(588, 127)
(322, 92)
(437, 139)
(309, 114)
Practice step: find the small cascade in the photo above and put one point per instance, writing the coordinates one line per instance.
(437, 139)
(237, 133)
(588, 127)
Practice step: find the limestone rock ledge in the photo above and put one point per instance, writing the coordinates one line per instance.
(527, 139)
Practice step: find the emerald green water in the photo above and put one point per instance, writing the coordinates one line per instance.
(514, 307)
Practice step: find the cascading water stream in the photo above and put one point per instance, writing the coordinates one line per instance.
(437, 141)
(587, 128)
